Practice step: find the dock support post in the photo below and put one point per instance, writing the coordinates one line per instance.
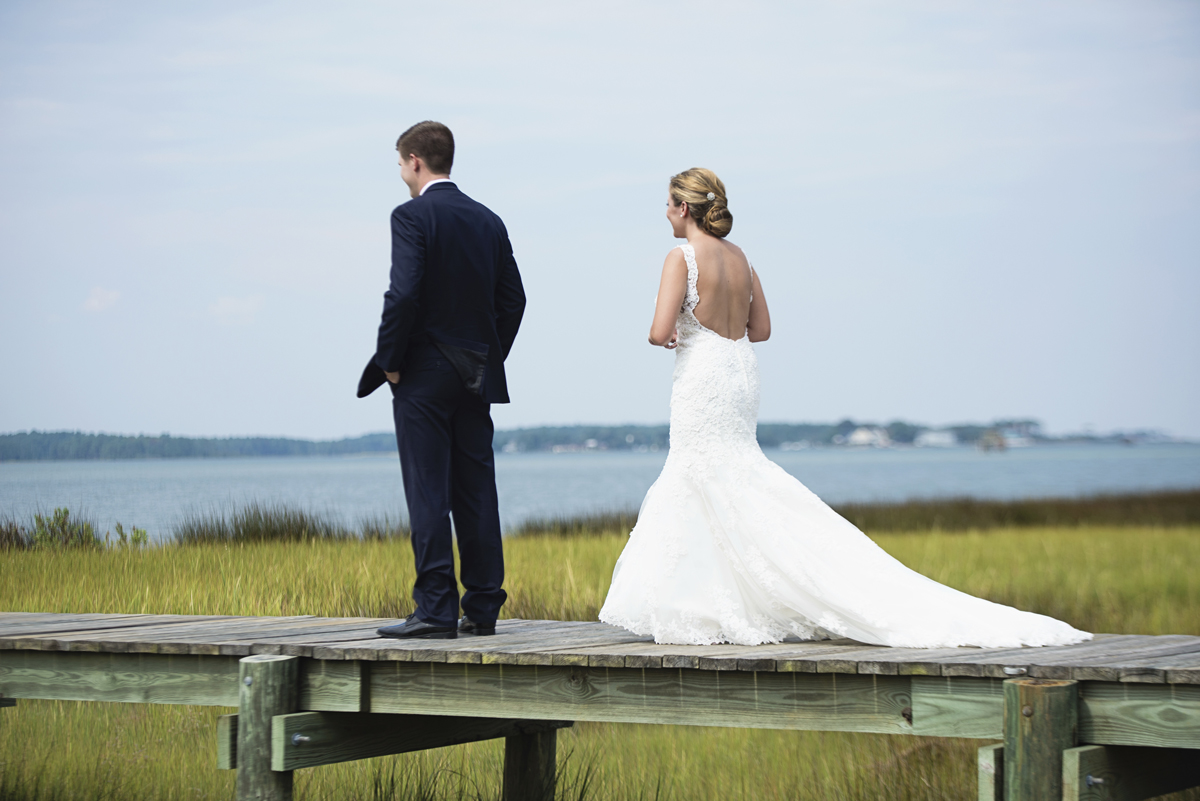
(1040, 722)
(530, 764)
(990, 761)
(269, 686)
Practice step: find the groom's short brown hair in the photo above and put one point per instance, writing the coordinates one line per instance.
(432, 142)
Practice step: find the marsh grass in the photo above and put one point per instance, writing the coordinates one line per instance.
(603, 522)
(1173, 508)
(1100, 578)
(62, 529)
(259, 522)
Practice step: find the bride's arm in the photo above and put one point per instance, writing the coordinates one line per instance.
(758, 327)
(671, 292)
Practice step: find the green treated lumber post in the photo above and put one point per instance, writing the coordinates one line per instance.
(530, 766)
(269, 686)
(1040, 722)
(1116, 773)
(991, 772)
(227, 728)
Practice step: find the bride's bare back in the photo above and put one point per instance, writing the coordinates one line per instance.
(731, 301)
(725, 287)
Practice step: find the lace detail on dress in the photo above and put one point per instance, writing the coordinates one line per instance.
(729, 547)
(692, 297)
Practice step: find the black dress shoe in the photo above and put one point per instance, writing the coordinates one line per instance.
(414, 627)
(468, 626)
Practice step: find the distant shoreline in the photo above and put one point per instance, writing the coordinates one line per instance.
(28, 446)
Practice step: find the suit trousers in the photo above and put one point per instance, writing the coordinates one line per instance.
(444, 434)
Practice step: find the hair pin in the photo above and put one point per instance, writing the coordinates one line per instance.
(711, 196)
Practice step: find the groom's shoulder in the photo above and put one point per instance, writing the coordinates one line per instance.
(465, 202)
(447, 199)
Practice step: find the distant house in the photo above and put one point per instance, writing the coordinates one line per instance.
(1015, 438)
(869, 437)
(935, 439)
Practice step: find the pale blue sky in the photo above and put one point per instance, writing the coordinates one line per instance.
(958, 210)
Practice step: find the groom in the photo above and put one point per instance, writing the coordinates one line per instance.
(450, 317)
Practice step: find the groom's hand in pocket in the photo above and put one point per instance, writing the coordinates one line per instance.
(393, 377)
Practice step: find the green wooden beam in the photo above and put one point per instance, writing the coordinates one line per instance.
(1110, 713)
(1040, 722)
(1164, 716)
(128, 678)
(813, 701)
(530, 766)
(334, 685)
(269, 687)
(310, 739)
(991, 772)
(958, 707)
(1115, 773)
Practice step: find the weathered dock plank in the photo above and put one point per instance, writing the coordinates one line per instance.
(1170, 659)
(345, 689)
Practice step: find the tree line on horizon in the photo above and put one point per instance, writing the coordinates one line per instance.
(67, 445)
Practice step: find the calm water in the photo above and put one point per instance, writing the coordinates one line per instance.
(155, 494)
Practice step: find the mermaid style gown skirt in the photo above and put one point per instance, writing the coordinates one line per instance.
(730, 548)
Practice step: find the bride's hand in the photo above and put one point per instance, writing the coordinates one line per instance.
(673, 342)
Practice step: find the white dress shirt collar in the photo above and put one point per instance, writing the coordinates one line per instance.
(431, 183)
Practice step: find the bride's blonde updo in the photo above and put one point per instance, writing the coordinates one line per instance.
(695, 187)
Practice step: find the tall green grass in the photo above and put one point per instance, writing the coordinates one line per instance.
(1168, 508)
(266, 522)
(1121, 579)
(1100, 578)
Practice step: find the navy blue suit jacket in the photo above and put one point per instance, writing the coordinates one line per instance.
(454, 280)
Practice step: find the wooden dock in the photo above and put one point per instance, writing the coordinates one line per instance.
(1078, 721)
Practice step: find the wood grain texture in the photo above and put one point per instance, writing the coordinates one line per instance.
(946, 706)
(335, 686)
(829, 702)
(1040, 722)
(268, 687)
(1164, 716)
(1170, 659)
(127, 678)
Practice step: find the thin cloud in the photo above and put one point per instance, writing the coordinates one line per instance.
(100, 299)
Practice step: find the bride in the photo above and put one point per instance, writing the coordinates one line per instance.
(730, 548)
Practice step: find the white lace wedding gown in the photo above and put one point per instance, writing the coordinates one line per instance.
(729, 547)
